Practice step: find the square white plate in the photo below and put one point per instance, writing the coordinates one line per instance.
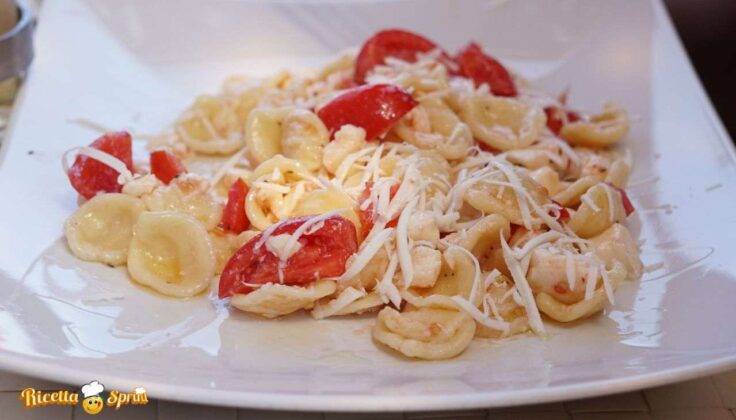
(136, 64)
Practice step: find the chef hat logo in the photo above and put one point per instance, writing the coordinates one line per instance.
(91, 389)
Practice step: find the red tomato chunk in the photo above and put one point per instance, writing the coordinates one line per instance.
(628, 206)
(558, 117)
(396, 43)
(482, 68)
(375, 108)
(234, 218)
(166, 166)
(89, 176)
(323, 254)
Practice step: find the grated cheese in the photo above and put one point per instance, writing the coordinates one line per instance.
(367, 250)
(276, 245)
(523, 288)
(386, 287)
(345, 298)
(118, 165)
(402, 244)
(479, 316)
(591, 281)
(228, 165)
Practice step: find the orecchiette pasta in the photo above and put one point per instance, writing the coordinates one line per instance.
(502, 123)
(171, 253)
(616, 245)
(481, 236)
(211, 126)
(187, 194)
(326, 200)
(348, 139)
(491, 198)
(276, 187)
(263, 133)
(601, 207)
(101, 229)
(548, 178)
(274, 300)
(570, 195)
(456, 277)
(427, 333)
(434, 125)
(604, 129)
(304, 138)
(562, 312)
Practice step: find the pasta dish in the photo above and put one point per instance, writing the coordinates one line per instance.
(441, 194)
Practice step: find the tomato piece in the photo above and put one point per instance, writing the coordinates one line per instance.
(166, 166)
(323, 253)
(628, 206)
(375, 108)
(234, 218)
(89, 176)
(482, 68)
(558, 117)
(366, 216)
(397, 43)
(563, 215)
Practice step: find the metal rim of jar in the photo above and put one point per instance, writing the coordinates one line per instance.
(16, 45)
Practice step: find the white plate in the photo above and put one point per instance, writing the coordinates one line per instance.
(136, 64)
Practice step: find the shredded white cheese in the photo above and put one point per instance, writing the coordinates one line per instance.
(479, 316)
(367, 250)
(402, 244)
(523, 288)
(118, 165)
(386, 287)
(345, 298)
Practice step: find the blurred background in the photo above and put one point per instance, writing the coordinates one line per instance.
(708, 30)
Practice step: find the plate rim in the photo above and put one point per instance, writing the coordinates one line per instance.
(36, 367)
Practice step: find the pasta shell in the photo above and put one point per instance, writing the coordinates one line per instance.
(601, 207)
(171, 253)
(548, 178)
(304, 138)
(427, 333)
(492, 199)
(102, 228)
(502, 123)
(602, 130)
(211, 126)
(570, 195)
(616, 245)
(483, 235)
(274, 300)
(327, 200)
(263, 133)
(188, 194)
(562, 312)
(348, 139)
